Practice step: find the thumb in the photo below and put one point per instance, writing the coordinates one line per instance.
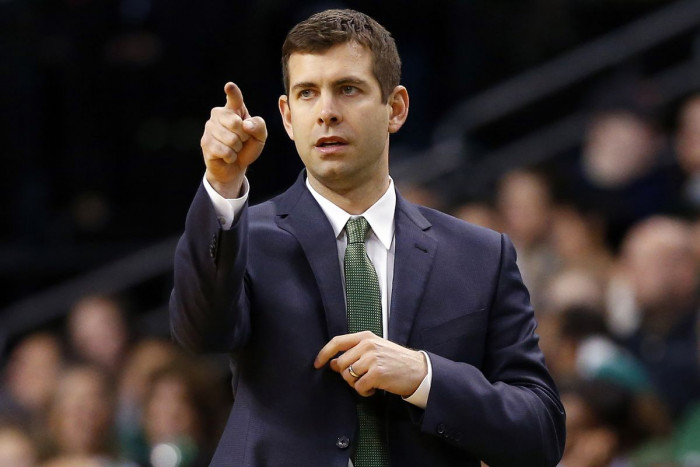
(255, 127)
(234, 99)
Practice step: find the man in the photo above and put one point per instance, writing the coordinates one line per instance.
(658, 264)
(277, 286)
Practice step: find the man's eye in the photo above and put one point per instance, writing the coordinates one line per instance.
(349, 90)
(306, 93)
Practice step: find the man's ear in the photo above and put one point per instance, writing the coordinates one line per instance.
(398, 108)
(286, 114)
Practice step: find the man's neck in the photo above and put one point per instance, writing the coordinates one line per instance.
(353, 200)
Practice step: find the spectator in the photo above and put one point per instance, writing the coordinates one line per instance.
(603, 425)
(687, 146)
(658, 265)
(590, 442)
(620, 147)
(696, 239)
(622, 172)
(422, 195)
(579, 241)
(586, 351)
(570, 288)
(98, 332)
(147, 358)
(182, 414)
(524, 203)
(30, 378)
(80, 418)
(573, 287)
(479, 213)
(17, 449)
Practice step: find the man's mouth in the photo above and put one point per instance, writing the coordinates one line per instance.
(330, 142)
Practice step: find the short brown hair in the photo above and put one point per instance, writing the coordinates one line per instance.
(326, 29)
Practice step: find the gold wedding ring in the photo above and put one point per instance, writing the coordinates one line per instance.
(352, 372)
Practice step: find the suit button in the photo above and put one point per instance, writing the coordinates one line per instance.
(342, 442)
(441, 428)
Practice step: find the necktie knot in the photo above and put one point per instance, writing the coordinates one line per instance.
(357, 229)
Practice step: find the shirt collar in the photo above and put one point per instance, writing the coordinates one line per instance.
(380, 215)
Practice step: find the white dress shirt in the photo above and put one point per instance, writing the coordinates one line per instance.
(379, 243)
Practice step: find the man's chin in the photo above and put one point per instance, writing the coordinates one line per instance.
(336, 178)
(332, 172)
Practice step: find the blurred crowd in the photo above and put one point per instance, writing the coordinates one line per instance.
(95, 395)
(609, 248)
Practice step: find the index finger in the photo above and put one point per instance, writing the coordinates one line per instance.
(335, 345)
(234, 100)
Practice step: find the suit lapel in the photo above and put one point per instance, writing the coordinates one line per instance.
(413, 260)
(299, 214)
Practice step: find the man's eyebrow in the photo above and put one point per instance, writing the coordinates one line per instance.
(339, 82)
(349, 80)
(303, 85)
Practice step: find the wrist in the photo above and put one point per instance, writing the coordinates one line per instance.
(418, 375)
(419, 397)
(230, 189)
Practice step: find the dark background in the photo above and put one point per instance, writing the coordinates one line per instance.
(104, 102)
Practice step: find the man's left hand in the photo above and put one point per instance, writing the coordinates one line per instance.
(379, 363)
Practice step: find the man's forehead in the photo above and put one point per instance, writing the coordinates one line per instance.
(350, 47)
(347, 54)
(346, 59)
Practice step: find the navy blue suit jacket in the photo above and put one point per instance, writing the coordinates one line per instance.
(269, 291)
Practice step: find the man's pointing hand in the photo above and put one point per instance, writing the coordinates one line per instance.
(232, 140)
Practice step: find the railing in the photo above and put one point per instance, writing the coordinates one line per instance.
(446, 155)
(120, 275)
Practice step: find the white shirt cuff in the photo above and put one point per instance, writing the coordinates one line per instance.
(227, 209)
(420, 397)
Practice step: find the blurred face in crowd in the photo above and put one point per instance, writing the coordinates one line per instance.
(33, 369)
(144, 361)
(98, 332)
(579, 417)
(688, 136)
(696, 240)
(82, 412)
(16, 449)
(587, 443)
(619, 147)
(572, 234)
(336, 116)
(479, 214)
(524, 203)
(573, 287)
(170, 413)
(660, 264)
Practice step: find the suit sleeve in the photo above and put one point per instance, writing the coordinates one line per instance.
(209, 310)
(508, 412)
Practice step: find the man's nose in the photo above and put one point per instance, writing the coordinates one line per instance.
(329, 113)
